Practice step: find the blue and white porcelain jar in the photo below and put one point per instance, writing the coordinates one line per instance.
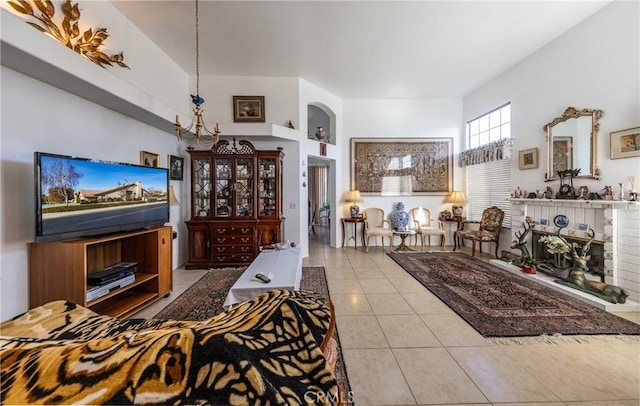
(399, 217)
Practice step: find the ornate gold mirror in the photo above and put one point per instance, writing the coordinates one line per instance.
(571, 143)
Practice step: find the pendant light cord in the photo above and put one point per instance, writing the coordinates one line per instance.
(197, 51)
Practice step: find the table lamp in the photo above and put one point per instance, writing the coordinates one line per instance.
(457, 199)
(354, 196)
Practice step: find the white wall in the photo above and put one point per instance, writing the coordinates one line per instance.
(310, 93)
(280, 97)
(39, 117)
(595, 65)
(402, 119)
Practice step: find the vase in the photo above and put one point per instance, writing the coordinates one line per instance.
(399, 217)
(320, 134)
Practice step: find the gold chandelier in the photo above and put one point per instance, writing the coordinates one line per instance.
(201, 134)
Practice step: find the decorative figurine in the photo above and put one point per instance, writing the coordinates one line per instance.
(608, 193)
(583, 191)
(577, 280)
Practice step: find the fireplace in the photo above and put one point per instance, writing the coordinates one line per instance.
(595, 264)
(615, 252)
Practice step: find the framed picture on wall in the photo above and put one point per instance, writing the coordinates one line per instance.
(248, 109)
(528, 158)
(323, 149)
(625, 143)
(149, 159)
(176, 167)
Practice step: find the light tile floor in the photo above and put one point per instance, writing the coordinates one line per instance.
(403, 346)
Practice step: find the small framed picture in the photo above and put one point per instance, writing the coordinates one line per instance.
(583, 227)
(528, 158)
(323, 149)
(248, 109)
(176, 167)
(149, 159)
(625, 143)
(543, 222)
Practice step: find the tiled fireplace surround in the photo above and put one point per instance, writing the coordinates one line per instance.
(616, 224)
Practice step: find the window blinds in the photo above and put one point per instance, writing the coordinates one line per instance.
(489, 184)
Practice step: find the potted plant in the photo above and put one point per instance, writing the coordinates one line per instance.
(560, 265)
(528, 265)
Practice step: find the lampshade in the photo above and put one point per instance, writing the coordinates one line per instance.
(354, 196)
(456, 197)
(173, 200)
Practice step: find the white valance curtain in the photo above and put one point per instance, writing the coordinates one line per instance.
(494, 151)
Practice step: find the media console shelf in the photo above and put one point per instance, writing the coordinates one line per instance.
(58, 270)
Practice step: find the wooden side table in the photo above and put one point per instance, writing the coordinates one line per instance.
(354, 221)
(458, 220)
(403, 236)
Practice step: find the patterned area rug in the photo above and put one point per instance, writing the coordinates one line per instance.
(204, 300)
(500, 304)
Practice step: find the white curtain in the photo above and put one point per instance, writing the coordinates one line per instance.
(317, 190)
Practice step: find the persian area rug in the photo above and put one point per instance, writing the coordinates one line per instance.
(500, 304)
(204, 300)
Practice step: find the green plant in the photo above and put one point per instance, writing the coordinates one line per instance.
(528, 261)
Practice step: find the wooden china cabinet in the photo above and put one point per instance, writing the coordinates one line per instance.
(236, 204)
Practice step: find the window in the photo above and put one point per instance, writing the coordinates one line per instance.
(489, 183)
(490, 127)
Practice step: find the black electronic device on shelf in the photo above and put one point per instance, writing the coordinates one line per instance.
(112, 273)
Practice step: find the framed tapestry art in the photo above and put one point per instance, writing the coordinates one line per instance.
(625, 143)
(402, 166)
(562, 153)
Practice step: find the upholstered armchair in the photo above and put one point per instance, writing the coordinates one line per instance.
(423, 225)
(375, 225)
(489, 230)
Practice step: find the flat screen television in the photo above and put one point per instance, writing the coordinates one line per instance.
(78, 197)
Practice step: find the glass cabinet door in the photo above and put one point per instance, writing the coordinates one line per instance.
(267, 191)
(224, 187)
(202, 187)
(244, 187)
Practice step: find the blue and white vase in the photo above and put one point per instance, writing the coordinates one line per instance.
(399, 217)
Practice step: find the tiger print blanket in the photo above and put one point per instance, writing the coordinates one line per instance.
(266, 351)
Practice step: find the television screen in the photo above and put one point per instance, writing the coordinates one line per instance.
(77, 197)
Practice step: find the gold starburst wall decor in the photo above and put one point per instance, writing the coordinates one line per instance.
(87, 43)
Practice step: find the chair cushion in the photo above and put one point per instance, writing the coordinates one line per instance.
(476, 235)
(379, 231)
(431, 231)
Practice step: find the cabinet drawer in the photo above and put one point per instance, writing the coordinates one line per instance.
(232, 258)
(226, 249)
(232, 239)
(232, 230)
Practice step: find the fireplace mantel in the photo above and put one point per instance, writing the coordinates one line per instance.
(615, 222)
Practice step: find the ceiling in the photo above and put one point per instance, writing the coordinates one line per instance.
(359, 49)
